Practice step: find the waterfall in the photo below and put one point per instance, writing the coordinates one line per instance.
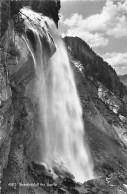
(61, 129)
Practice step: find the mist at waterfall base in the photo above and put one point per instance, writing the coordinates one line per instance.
(61, 130)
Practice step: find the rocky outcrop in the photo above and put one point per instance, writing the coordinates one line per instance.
(4, 17)
(6, 109)
(105, 103)
(17, 128)
(46, 7)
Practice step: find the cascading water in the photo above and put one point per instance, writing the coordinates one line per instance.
(61, 130)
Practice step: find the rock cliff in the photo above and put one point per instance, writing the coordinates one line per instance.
(94, 65)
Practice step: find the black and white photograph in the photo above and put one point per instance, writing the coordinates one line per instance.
(63, 97)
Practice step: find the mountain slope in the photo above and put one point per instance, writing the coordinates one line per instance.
(105, 90)
(94, 65)
(104, 108)
(123, 79)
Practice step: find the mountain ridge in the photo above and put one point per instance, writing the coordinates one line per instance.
(95, 65)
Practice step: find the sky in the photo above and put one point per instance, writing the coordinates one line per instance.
(100, 23)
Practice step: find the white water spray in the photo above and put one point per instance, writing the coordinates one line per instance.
(61, 130)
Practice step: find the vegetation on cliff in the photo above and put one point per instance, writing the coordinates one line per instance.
(94, 65)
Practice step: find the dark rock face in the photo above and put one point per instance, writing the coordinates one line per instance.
(6, 107)
(4, 9)
(46, 7)
(17, 128)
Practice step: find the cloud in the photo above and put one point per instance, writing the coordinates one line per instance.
(117, 60)
(76, 28)
(91, 23)
(94, 40)
(112, 21)
(74, 21)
